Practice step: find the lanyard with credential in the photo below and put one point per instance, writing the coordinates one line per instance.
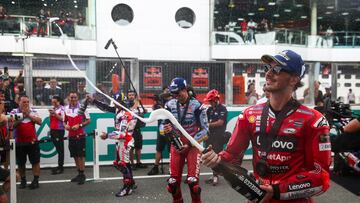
(181, 118)
(266, 139)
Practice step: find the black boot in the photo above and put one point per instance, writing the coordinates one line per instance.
(23, 183)
(82, 179)
(75, 179)
(34, 184)
(57, 170)
(154, 170)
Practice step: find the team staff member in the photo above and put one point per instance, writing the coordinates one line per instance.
(216, 115)
(25, 138)
(133, 104)
(291, 147)
(75, 123)
(190, 114)
(57, 131)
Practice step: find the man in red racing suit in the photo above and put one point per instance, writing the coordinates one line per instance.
(298, 158)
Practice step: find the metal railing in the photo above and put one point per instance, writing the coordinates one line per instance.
(29, 26)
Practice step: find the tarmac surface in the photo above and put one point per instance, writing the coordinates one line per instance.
(58, 188)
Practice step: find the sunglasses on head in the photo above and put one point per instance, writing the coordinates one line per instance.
(276, 69)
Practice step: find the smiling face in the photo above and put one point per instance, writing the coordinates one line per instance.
(279, 80)
(73, 98)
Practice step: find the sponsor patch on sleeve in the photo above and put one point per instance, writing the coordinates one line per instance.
(324, 138)
(324, 147)
(321, 122)
(252, 119)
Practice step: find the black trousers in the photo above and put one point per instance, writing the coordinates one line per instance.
(57, 137)
(345, 142)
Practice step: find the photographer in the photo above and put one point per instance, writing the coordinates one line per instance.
(25, 137)
(57, 131)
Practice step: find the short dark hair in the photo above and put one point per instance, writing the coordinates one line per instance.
(59, 99)
(132, 91)
(23, 95)
(73, 92)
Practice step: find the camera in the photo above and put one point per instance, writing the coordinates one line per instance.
(15, 116)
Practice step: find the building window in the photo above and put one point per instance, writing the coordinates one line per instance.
(122, 14)
(185, 17)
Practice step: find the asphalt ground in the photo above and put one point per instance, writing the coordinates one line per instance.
(58, 188)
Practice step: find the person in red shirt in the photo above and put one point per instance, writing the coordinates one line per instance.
(291, 143)
(57, 131)
(25, 138)
(75, 122)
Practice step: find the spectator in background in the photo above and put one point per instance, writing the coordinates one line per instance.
(30, 26)
(251, 26)
(80, 19)
(251, 95)
(42, 20)
(265, 97)
(69, 24)
(327, 94)
(264, 26)
(9, 88)
(82, 91)
(20, 90)
(52, 91)
(329, 36)
(3, 17)
(351, 97)
(244, 32)
(39, 92)
(320, 39)
(318, 95)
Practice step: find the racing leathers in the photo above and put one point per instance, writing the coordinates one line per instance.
(193, 119)
(300, 155)
(124, 127)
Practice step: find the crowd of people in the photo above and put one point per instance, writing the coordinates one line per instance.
(291, 146)
(39, 24)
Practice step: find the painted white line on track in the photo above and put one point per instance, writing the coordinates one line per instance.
(120, 178)
(116, 178)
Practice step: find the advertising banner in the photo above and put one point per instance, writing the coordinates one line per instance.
(152, 77)
(200, 78)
